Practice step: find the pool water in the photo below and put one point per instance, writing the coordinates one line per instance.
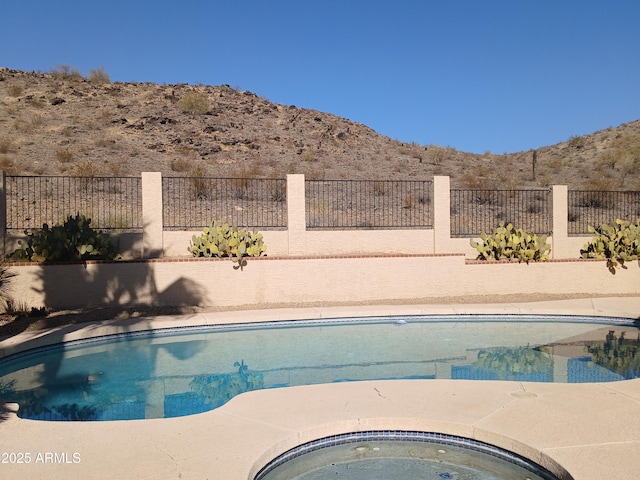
(397, 455)
(177, 372)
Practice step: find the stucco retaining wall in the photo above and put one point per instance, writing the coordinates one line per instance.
(293, 280)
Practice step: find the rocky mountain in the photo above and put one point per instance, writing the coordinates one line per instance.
(61, 123)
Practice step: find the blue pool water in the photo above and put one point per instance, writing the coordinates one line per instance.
(400, 455)
(176, 372)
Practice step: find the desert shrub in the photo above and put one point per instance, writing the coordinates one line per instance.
(28, 124)
(555, 163)
(479, 178)
(6, 145)
(534, 208)
(88, 168)
(242, 180)
(308, 156)
(105, 142)
(573, 216)
(65, 72)
(21, 125)
(618, 242)
(436, 154)
(116, 167)
(38, 169)
(510, 243)
(314, 173)
(74, 240)
(379, 188)
(413, 150)
(64, 155)
(577, 142)
(201, 185)
(35, 102)
(240, 184)
(608, 159)
(408, 201)
(186, 151)
(105, 116)
(15, 90)
(279, 192)
(181, 165)
(37, 120)
(67, 131)
(194, 102)
(99, 76)
(224, 240)
(8, 165)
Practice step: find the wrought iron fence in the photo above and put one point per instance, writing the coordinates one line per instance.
(350, 204)
(477, 211)
(112, 203)
(195, 202)
(593, 208)
(115, 204)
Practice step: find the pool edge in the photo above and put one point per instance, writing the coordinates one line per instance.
(620, 307)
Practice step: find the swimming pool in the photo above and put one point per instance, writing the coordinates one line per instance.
(183, 371)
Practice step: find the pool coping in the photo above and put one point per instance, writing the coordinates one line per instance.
(559, 426)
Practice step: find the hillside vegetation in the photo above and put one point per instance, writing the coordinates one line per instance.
(63, 123)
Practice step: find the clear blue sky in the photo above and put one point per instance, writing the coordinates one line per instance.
(477, 75)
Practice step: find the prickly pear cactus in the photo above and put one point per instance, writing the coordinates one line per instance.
(618, 242)
(224, 240)
(74, 240)
(510, 243)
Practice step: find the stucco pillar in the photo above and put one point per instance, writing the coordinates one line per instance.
(441, 214)
(560, 247)
(152, 227)
(296, 218)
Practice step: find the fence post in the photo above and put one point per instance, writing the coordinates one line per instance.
(560, 247)
(441, 214)
(3, 211)
(152, 226)
(296, 218)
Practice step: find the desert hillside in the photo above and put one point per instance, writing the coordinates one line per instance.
(62, 123)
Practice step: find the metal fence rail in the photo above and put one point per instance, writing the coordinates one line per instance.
(195, 202)
(112, 203)
(593, 208)
(477, 211)
(350, 204)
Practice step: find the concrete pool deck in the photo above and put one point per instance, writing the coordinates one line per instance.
(590, 431)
